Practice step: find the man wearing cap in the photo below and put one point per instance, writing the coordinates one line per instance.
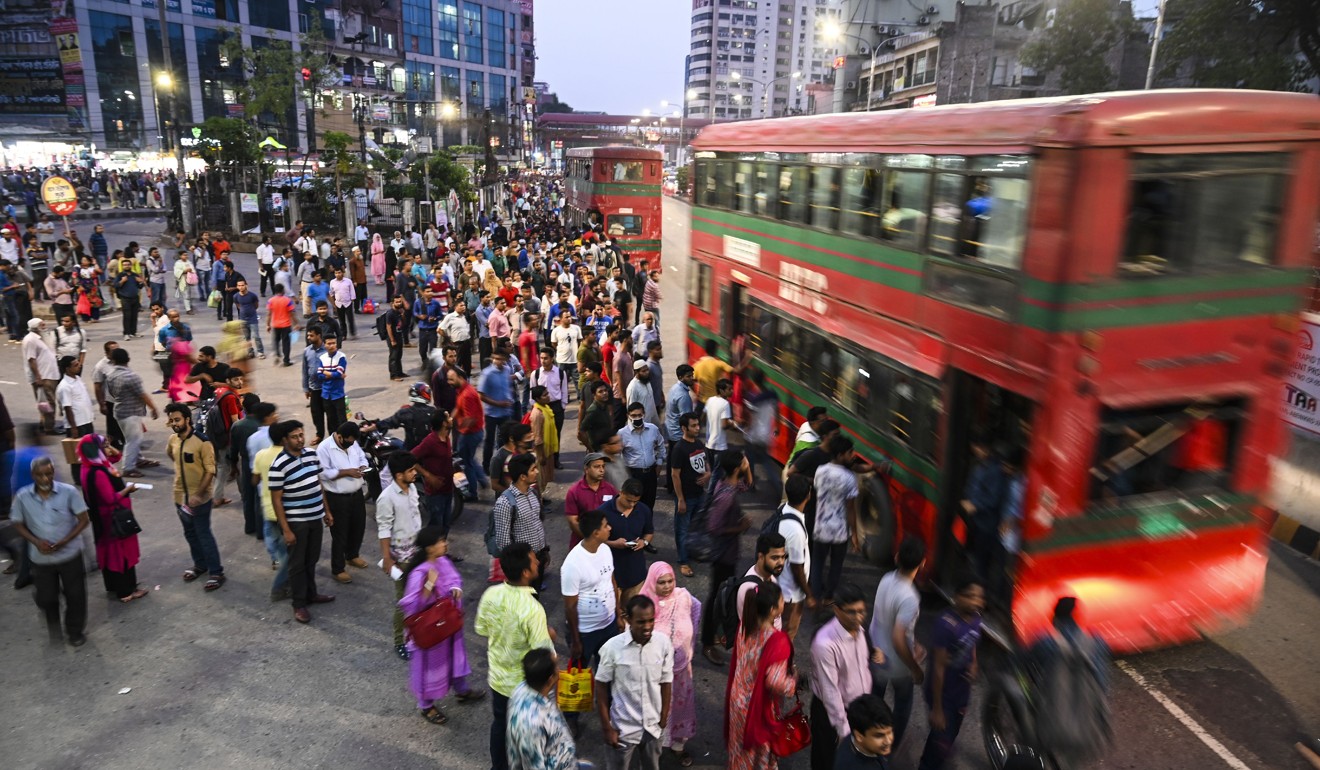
(587, 493)
(343, 469)
(43, 371)
(639, 391)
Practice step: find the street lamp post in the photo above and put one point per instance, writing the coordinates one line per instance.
(166, 79)
(689, 95)
(765, 88)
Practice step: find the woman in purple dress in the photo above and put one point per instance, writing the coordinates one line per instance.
(431, 576)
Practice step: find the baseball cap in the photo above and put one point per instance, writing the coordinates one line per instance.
(594, 456)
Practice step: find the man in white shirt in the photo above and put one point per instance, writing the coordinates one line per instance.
(795, 581)
(363, 236)
(75, 403)
(634, 689)
(591, 597)
(42, 368)
(565, 337)
(265, 262)
(343, 469)
(398, 520)
(719, 416)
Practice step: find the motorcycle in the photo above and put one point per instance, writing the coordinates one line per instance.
(378, 446)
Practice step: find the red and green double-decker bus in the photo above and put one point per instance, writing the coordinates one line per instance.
(1105, 285)
(617, 188)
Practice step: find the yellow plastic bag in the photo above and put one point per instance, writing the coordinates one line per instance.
(575, 689)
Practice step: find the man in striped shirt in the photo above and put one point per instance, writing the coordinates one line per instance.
(295, 492)
(517, 513)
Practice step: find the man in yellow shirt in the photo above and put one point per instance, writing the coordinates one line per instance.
(710, 370)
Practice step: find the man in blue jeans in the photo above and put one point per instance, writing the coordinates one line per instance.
(469, 424)
(689, 472)
(272, 534)
(194, 474)
(496, 389)
(893, 623)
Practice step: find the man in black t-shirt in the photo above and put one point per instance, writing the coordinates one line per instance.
(207, 371)
(689, 473)
(806, 463)
(396, 323)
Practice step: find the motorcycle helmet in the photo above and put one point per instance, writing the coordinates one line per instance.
(419, 393)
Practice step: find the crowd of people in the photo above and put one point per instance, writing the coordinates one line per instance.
(559, 318)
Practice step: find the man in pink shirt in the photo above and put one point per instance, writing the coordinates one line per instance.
(840, 672)
(498, 324)
(342, 294)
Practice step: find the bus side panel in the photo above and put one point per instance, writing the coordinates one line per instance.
(1140, 594)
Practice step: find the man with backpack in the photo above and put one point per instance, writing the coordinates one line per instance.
(217, 422)
(795, 583)
(1071, 668)
(390, 326)
(722, 521)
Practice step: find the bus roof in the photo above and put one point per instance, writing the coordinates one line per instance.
(614, 151)
(1160, 117)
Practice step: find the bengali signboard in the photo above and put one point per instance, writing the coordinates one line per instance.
(247, 203)
(60, 196)
(1302, 387)
(31, 86)
(64, 28)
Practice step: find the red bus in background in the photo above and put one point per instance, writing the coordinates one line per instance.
(1106, 284)
(617, 188)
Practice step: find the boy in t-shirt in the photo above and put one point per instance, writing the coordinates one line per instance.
(872, 736)
(952, 669)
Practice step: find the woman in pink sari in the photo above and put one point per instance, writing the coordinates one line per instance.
(677, 615)
(180, 352)
(431, 576)
(378, 259)
(104, 491)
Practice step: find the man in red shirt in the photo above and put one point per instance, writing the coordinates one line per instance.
(435, 461)
(231, 411)
(587, 494)
(470, 422)
(529, 351)
(279, 317)
(509, 292)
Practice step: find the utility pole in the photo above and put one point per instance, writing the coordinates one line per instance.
(1155, 45)
(181, 181)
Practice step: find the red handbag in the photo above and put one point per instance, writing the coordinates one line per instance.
(434, 624)
(794, 735)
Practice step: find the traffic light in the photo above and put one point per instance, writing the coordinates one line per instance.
(306, 74)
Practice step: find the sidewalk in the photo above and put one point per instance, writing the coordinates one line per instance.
(1295, 493)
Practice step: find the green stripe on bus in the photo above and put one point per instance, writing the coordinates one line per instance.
(897, 269)
(620, 188)
(910, 470)
(902, 270)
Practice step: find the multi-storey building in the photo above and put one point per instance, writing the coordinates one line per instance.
(755, 58)
(400, 70)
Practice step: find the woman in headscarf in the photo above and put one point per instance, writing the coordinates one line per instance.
(234, 348)
(761, 677)
(431, 576)
(104, 491)
(677, 615)
(377, 259)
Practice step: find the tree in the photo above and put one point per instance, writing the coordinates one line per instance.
(554, 105)
(1234, 44)
(229, 143)
(1083, 34)
(274, 72)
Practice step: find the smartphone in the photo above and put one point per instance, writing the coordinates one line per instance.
(142, 486)
(631, 543)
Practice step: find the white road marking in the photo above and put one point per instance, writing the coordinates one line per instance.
(7, 382)
(1182, 716)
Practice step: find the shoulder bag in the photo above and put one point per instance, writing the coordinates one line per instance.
(122, 521)
(434, 624)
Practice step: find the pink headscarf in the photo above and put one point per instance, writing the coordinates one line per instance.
(673, 613)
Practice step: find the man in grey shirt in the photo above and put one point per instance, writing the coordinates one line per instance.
(897, 605)
(124, 388)
(51, 516)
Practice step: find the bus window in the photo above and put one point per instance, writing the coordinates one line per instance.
(825, 197)
(862, 193)
(767, 175)
(793, 194)
(788, 348)
(1203, 213)
(947, 212)
(715, 189)
(744, 188)
(994, 224)
(904, 219)
(628, 171)
(816, 366)
(623, 224)
(1180, 448)
(853, 386)
(904, 417)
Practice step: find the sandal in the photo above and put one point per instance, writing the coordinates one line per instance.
(222, 501)
(435, 716)
(684, 758)
(215, 583)
(685, 570)
(148, 464)
(138, 594)
(189, 575)
(470, 696)
(133, 474)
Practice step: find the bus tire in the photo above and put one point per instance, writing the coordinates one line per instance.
(877, 521)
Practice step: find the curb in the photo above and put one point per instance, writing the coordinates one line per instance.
(1296, 535)
(82, 215)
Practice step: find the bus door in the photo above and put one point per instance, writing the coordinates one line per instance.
(986, 426)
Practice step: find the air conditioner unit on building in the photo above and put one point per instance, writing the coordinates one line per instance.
(923, 21)
(933, 10)
(851, 85)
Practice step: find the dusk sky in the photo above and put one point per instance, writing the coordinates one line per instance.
(616, 56)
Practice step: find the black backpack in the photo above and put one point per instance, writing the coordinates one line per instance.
(726, 607)
(771, 524)
(382, 326)
(210, 424)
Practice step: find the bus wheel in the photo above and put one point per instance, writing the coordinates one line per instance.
(877, 521)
